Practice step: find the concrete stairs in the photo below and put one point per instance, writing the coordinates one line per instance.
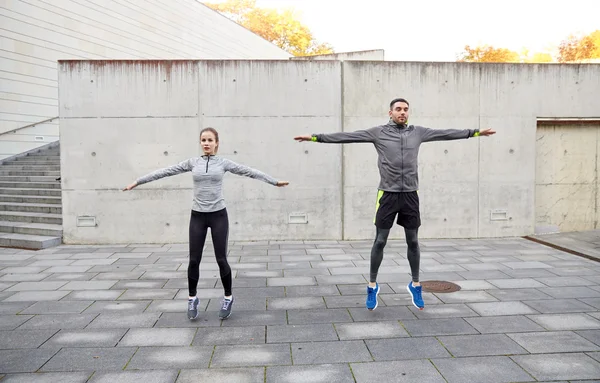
(30, 200)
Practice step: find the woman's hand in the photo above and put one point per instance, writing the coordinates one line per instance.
(282, 183)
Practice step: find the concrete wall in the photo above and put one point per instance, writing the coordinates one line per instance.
(483, 187)
(35, 34)
(370, 55)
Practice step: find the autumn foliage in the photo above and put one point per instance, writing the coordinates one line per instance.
(279, 26)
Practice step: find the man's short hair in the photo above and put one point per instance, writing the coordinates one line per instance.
(398, 100)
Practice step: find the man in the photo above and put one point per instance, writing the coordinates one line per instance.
(397, 146)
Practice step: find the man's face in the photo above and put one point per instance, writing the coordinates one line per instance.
(399, 112)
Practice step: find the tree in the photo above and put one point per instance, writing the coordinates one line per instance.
(488, 54)
(281, 27)
(578, 48)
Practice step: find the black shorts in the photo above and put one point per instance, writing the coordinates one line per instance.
(405, 204)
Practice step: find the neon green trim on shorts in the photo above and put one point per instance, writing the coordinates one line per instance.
(379, 195)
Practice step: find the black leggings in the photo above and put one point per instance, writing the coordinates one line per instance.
(218, 222)
(413, 254)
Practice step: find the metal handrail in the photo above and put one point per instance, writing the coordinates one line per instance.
(28, 126)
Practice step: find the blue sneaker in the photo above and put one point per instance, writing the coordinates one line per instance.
(372, 297)
(415, 293)
(193, 308)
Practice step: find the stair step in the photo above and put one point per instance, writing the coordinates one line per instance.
(27, 241)
(30, 199)
(35, 168)
(18, 216)
(31, 207)
(34, 160)
(42, 157)
(29, 173)
(30, 185)
(30, 191)
(26, 178)
(31, 228)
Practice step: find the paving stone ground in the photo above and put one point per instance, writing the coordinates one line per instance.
(117, 313)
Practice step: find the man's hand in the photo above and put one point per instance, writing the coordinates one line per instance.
(282, 183)
(487, 132)
(303, 138)
(131, 186)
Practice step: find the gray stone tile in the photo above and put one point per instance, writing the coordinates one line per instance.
(571, 292)
(291, 303)
(559, 366)
(180, 320)
(124, 320)
(89, 359)
(501, 308)
(361, 289)
(311, 291)
(145, 294)
(291, 281)
(13, 361)
(300, 333)
(330, 352)
(58, 321)
(516, 283)
(36, 286)
(487, 369)
(529, 273)
(48, 377)
(527, 265)
(380, 314)
(155, 376)
(318, 316)
(254, 318)
(24, 338)
(162, 358)
(162, 275)
(481, 345)
(119, 307)
(14, 307)
(85, 338)
(288, 265)
(432, 327)
(146, 337)
(94, 295)
(421, 371)
(555, 341)
(11, 322)
(406, 348)
(89, 285)
(350, 301)
(566, 321)
(118, 275)
(591, 335)
(267, 292)
(340, 279)
(456, 310)
(240, 304)
(33, 296)
(305, 272)
(70, 277)
(518, 294)
(367, 330)
(503, 324)
(229, 335)
(324, 373)
(69, 269)
(24, 270)
(23, 277)
(223, 375)
(486, 274)
(251, 355)
(58, 307)
(554, 306)
(474, 285)
(260, 274)
(466, 296)
(563, 281)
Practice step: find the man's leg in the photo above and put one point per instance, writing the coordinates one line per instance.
(410, 218)
(384, 220)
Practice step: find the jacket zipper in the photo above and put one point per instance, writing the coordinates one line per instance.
(402, 161)
(207, 159)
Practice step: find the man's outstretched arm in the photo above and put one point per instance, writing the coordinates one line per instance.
(367, 135)
(428, 134)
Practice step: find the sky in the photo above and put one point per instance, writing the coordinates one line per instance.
(437, 30)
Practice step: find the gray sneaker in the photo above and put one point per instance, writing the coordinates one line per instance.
(226, 308)
(193, 308)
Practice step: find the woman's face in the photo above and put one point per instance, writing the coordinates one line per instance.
(208, 142)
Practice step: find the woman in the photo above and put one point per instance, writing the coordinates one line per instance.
(208, 211)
